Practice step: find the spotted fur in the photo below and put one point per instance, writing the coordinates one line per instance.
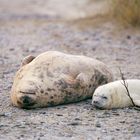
(54, 78)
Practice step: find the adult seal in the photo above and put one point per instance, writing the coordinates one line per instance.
(115, 95)
(54, 78)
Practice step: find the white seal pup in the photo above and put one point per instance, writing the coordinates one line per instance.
(114, 94)
(54, 78)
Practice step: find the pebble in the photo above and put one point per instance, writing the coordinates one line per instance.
(128, 37)
(98, 125)
(42, 112)
(7, 114)
(31, 49)
(74, 123)
(77, 119)
(11, 49)
(104, 131)
(59, 115)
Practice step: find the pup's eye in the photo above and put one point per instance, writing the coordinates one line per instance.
(104, 97)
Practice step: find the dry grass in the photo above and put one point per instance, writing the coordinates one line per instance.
(127, 12)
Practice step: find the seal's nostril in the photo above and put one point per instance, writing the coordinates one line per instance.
(26, 100)
(95, 102)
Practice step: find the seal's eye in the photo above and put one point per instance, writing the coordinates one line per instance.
(28, 92)
(104, 97)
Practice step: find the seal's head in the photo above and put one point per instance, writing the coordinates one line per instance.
(28, 87)
(102, 97)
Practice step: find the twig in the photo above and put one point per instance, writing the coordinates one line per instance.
(128, 93)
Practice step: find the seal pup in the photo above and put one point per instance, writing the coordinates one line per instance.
(114, 94)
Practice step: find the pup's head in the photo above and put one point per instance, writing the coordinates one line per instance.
(103, 97)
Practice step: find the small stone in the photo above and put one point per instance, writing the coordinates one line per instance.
(107, 114)
(6, 114)
(128, 37)
(42, 112)
(2, 115)
(22, 136)
(11, 49)
(74, 123)
(59, 114)
(41, 135)
(77, 119)
(1, 125)
(93, 49)
(116, 114)
(130, 129)
(122, 121)
(104, 131)
(98, 125)
(117, 129)
(31, 49)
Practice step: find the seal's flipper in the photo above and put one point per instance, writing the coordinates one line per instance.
(137, 103)
(80, 80)
(27, 60)
(68, 80)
